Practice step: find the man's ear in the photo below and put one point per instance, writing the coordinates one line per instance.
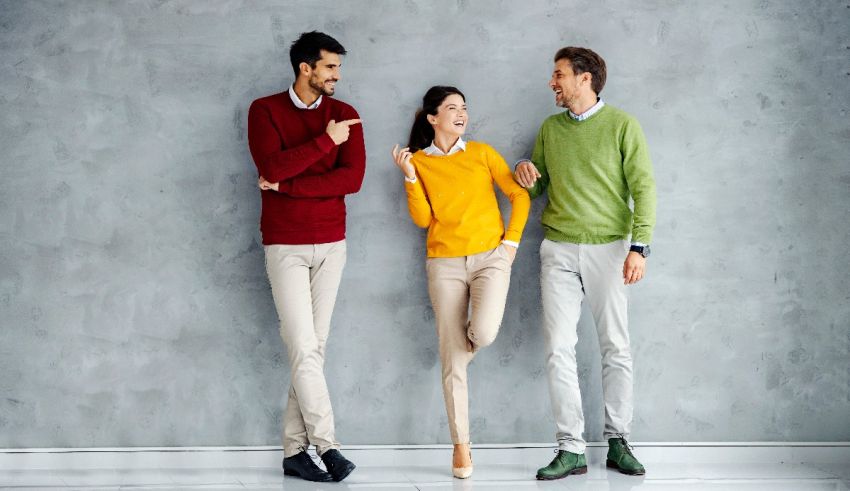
(587, 77)
(304, 68)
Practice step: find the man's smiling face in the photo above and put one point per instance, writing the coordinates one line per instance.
(566, 84)
(326, 74)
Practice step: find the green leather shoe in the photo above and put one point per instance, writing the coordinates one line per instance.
(563, 465)
(620, 457)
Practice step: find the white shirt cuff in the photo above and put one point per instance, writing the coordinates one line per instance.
(411, 181)
(511, 243)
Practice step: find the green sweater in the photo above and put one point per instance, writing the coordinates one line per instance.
(590, 169)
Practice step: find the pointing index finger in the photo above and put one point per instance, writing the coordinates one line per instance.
(349, 122)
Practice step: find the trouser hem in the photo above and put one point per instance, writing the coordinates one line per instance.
(572, 447)
(292, 450)
(321, 450)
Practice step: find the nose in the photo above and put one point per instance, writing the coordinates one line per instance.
(552, 83)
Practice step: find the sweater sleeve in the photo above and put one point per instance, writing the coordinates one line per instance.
(345, 178)
(273, 162)
(520, 201)
(418, 204)
(637, 168)
(538, 158)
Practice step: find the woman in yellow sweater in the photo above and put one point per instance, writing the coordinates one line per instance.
(449, 185)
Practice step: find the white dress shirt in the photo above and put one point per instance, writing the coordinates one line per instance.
(299, 103)
(590, 112)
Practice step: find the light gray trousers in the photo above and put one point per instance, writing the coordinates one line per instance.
(571, 273)
(305, 280)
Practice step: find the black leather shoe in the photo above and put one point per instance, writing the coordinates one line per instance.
(302, 465)
(337, 465)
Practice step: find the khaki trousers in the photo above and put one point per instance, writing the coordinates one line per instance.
(304, 281)
(569, 274)
(458, 285)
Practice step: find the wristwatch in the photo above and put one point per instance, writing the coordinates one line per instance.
(642, 250)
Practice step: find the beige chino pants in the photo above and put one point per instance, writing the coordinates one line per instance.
(304, 281)
(458, 285)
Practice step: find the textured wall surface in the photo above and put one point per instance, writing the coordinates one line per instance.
(134, 307)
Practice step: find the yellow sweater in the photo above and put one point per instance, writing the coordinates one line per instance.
(454, 197)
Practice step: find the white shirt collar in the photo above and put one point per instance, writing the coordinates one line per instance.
(590, 112)
(299, 103)
(433, 150)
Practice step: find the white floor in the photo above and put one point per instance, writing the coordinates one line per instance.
(669, 467)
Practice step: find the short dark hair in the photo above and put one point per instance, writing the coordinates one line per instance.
(585, 60)
(308, 49)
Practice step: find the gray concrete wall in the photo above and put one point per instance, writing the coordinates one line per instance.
(134, 308)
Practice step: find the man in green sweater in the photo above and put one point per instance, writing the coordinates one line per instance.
(592, 159)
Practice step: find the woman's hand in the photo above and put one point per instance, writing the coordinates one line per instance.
(265, 185)
(401, 157)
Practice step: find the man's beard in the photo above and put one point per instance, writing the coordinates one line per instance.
(566, 103)
(320, 87)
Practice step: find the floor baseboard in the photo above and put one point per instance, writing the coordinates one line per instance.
(364, 455)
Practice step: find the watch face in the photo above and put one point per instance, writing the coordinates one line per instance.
(642, 250)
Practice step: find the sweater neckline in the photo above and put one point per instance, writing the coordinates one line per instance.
(320, 109)
(461, 153)
(566, 115)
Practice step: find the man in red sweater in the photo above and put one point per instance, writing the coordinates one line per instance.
(308, 148)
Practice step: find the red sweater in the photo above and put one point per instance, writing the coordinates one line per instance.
(290, 146)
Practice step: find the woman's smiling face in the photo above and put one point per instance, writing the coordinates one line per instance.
(451, 117)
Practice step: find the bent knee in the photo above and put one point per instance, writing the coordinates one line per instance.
(483, 337)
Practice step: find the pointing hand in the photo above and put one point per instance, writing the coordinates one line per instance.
(339, 131)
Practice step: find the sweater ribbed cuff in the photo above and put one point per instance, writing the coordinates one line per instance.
(325, 142)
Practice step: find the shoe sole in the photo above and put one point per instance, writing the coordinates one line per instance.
(613, 465)
(287, 472)
(574, 472)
